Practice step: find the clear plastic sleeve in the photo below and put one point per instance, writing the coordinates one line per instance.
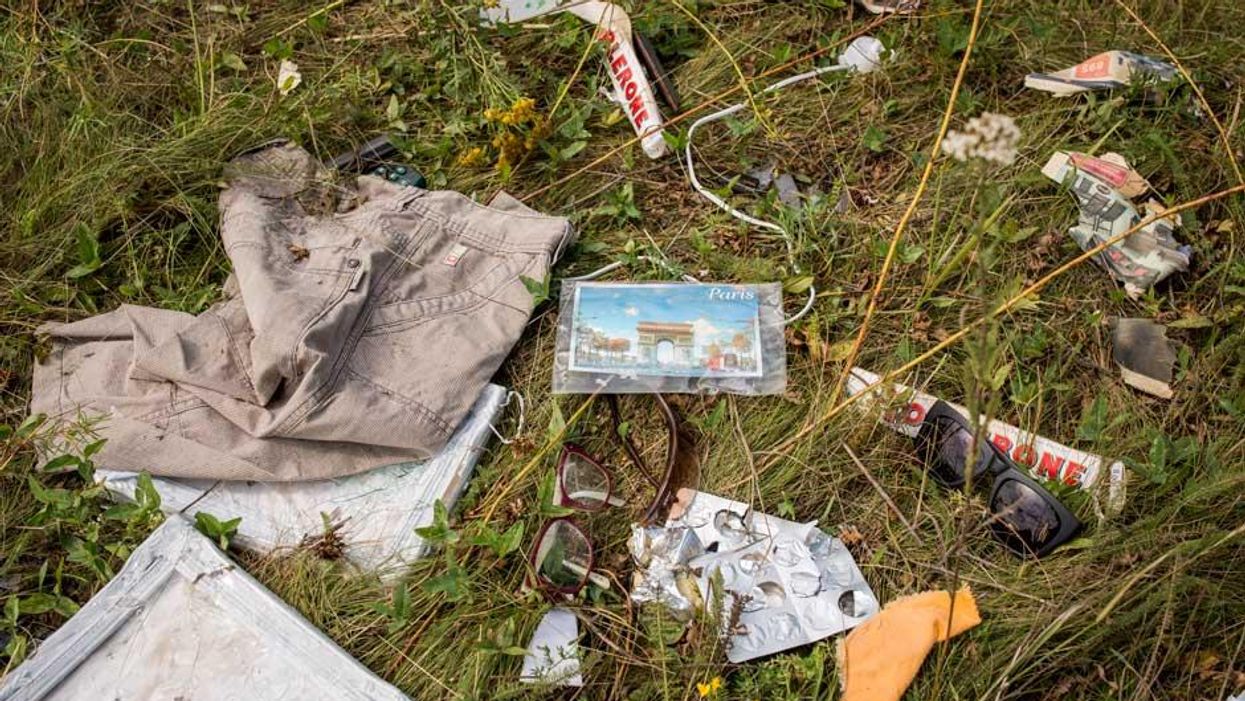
(691, 338)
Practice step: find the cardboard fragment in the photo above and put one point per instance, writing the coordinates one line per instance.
(1145, 356)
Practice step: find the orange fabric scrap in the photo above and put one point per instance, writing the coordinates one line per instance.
(881, 657)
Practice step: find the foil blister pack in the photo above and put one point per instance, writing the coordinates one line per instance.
(784, 584)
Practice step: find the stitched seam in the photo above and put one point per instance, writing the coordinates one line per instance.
(330, 302)
(236, 348)
(323, 272)
(490, 242)
(468, 289)
(414, 405)
(387, 327)
(316, 397)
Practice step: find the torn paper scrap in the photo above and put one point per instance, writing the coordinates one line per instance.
(375, 512)
(1046, 459)
(786, 584)
(1145, 356)
(879, 7)
(1144, 257)
(1112, 169)
(1107, 70)
(553, 654)
(879, 660)
(632, 90)
(182, 621)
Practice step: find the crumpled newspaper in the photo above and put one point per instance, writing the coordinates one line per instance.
(1103, 188)
(879, 7)
(784, 584)
(1107, 70)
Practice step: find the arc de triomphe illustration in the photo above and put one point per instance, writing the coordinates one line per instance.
(680, 337)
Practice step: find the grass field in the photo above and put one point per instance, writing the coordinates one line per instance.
(115, 119)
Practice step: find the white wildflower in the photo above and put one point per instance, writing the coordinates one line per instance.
(990, 137)
(288, 77)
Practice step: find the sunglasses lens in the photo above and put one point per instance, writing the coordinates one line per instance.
(584, 483)
(1023, 518)
(563, 556)
(948, 449)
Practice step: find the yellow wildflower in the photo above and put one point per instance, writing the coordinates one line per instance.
(521, 111)
(709, 689)
(471, 157)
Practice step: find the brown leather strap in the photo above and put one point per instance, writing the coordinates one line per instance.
(678, 452)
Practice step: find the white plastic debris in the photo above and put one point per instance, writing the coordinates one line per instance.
(288, 77)
(553, 654)
(632, 90)
(864, 55)
(182, 621)
(785, 584)
(375, 513)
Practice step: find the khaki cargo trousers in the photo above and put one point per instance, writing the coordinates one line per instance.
(363, 323)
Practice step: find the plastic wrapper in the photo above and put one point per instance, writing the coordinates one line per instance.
(374, 513)
(620, 338)
(784, 584)
(1106, 71)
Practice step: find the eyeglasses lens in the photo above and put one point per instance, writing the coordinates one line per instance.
(585, 484)
(563, 556)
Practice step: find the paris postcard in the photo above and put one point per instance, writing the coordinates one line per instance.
(686, 330)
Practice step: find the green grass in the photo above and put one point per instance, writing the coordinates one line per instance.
(115, 119)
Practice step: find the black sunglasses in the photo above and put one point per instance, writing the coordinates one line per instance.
(1026, 517)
